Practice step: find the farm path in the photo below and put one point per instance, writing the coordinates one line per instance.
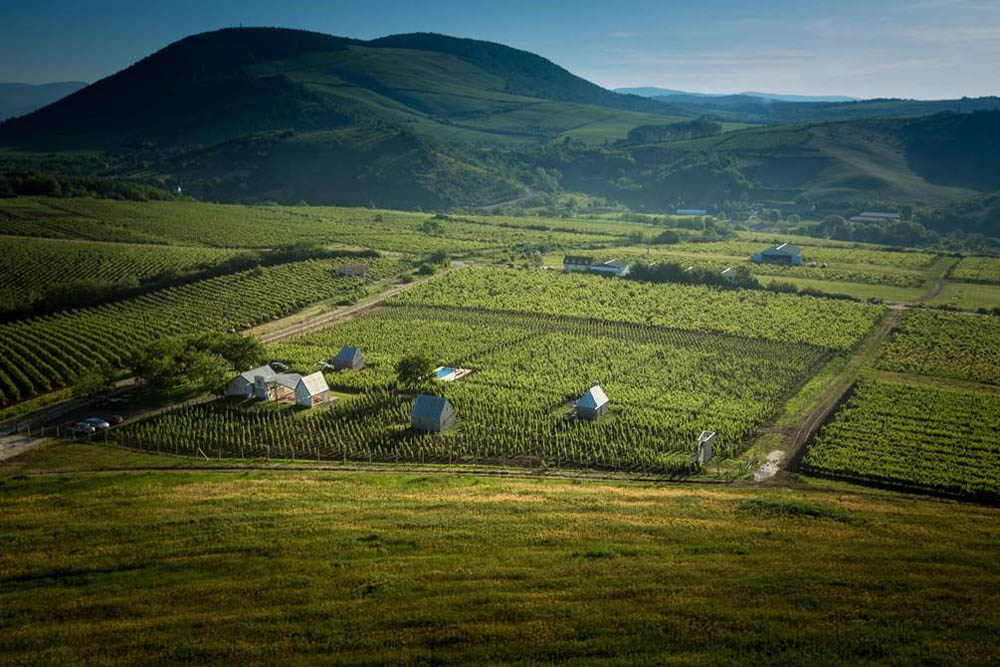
(294, 327)
(864, 357)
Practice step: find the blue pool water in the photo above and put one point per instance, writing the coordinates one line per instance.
(443, 372)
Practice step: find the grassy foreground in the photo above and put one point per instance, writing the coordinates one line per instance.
(298, 566)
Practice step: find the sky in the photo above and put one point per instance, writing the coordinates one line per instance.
(924, 49)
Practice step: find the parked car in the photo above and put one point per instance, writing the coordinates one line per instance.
(97, 422)
(278, 367)
(80, 428)
(115, 420)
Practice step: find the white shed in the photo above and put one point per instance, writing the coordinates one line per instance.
(243, 384)
(704, 452)
(312, 390)
(593, 404)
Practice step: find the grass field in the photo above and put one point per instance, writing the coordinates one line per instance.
(301, 566)
(967, 296)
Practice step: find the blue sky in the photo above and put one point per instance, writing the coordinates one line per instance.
(864, 48)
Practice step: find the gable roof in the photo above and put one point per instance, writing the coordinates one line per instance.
(315, 383)
(252, 374)
(616, 263)
(348, 353)
(287, 379)
(593, 398)
(429, 407)
(784, 249)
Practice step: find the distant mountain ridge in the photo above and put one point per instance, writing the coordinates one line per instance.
(17, 99)
(437, 122)
(654, 92)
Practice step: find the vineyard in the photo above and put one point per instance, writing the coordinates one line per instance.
(977, 269)
(837, 257)
(41, 354)
(943, 344)
(867, 275)
(752, 314)
(236, 226)
(931, 437)
(32, 266)
(666, 386)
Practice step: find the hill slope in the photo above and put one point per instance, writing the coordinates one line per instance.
(17, 99)
(217, 86)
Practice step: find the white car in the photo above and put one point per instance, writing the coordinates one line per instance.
(96, 422)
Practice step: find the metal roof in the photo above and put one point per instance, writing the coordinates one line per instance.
(266, 371)
(785, 249)
(349, 353)
(315, 383)
(593, 398)
(289, 380)
(429, 407)
(578, 259)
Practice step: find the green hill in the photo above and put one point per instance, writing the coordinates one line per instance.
(430, 121)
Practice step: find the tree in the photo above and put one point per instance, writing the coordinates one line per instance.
(667, 236)
(794, 219)
(95, 382)
(201, 362)
(414, 371)
(432, 227)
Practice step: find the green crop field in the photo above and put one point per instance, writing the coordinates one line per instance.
(234, 226)
(779, 317)
(934, 437)
(32, 267)
(44, 353)
(977, 269)
(948, 345)
(666, 387)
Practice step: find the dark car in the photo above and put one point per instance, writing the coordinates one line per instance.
(115, 420)
(278, 367)
(80, 429)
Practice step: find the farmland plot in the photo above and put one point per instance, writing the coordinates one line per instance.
(948, 345)
(40, 354)
(938, 438)
(666, 386)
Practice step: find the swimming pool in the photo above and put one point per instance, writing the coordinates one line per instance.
(442, 373)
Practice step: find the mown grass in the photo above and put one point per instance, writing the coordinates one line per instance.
(296, 567)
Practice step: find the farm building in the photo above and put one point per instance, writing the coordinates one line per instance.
(243, 384)
(691, 211)
(352, 269)
(875, 216)
(593, 404)
(577, 263)
(312, 390)
(432, 413)
(785, 253)
(349, 358)
(704, 452)
(614, 267)
(266, 385)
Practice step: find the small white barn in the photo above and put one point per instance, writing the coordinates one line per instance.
(312, 390)
(614, 267)
(593, 404)
(432, 413)
(704, 452)
(349, 358)
(243, 384)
